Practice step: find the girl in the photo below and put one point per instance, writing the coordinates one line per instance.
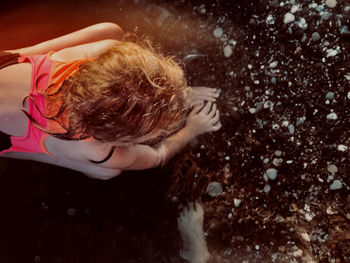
(96, 102)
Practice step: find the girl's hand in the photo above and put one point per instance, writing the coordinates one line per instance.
(200, 94)
(203, 119)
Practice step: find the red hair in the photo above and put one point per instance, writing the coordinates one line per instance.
(130, 94)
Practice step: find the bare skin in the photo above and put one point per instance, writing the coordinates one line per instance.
(200, 94)
(190, 225)
(15, 85)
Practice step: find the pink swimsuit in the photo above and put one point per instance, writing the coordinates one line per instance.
(44, 72)
(32, 140)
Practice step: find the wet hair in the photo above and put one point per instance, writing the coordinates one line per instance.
(130, 94)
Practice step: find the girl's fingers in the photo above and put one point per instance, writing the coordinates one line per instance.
(208, 98)
(207, 107)
(197, 103)
(212, 111)
(206, 92)
(202, 88)
(216, 118)
(203, 97)
(217, 126)
(209, 92)
(197, 108)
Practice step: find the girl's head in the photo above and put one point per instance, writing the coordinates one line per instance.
(130, 94)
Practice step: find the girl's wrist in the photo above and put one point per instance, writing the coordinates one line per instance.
(189, 132)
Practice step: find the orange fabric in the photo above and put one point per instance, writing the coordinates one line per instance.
(60, 71)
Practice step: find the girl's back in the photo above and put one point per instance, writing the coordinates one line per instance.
(15, 85)
(15, 81)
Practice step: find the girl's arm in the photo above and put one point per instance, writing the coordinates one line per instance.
(89, 50)
(139, 157)
(89, 34)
